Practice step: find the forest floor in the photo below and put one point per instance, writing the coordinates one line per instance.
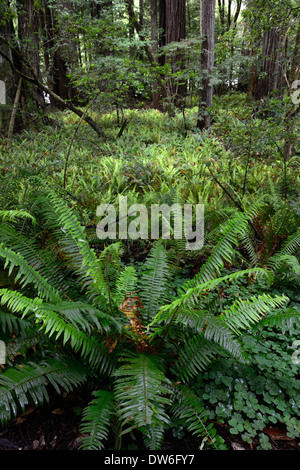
(57, 428)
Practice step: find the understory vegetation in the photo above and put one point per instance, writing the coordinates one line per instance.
(173, 340)
(151, 340)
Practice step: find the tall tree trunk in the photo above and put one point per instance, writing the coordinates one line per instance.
(295, 65)
(162, 29)
(221, 5)
(271, 72)
(149, 54)
(58, 57)
(291, 113)
(130, 7)
(154, 47)
(172, 25)
(29, 43)
(207, 62)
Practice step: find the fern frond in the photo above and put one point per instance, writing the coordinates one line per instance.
(249, 246)
(19, 303)
(195, 356)
(29, 382)
(126, 283)
(291, 246)
(21, 344)
(83, 316)
(190, 298)
(84, 259)
(244, 313)
(140, 390)
(154, 437)
(52, 322)
(187, 406)
(10, 323)
(27, 274)
(215, 330)
(96, 419)
(14, 214)
(234, 229)
(153, 281)
(210, 326)
(279, 318)
(42, 260)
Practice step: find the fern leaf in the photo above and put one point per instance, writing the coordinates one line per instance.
(140, 391)
(153, 281)
(190, 298)
(194, 357)
(187, 406)
(233, 230)
(29, 382)
(54, 323)
(12, 215)
(44, 261)
(126, 283)
(73, 238)
(28, 275)
(10, 322)
(279, 318)
(244, 313)
(96, 418)
(291, 246)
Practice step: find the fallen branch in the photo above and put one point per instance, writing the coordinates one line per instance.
(14, 113)
(35, 80)
(238, 205)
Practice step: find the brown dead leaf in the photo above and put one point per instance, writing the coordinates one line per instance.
(28, 411)
(277, 434)
(57, 411)
(20, 420)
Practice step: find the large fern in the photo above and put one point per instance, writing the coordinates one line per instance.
(136, 334)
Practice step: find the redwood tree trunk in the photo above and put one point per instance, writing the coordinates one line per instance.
(154, 47)
(271, 67)
(207, 62)
(58, 57)
(172, 24)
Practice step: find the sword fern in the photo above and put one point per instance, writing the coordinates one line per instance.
(134, 333)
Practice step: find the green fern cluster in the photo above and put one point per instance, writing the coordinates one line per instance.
(138, 337)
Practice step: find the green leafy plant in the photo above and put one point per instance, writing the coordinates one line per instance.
(140, 339)
(249, 399)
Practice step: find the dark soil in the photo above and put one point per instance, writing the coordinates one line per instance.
(57, 427)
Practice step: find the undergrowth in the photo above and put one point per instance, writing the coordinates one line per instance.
(191, 325)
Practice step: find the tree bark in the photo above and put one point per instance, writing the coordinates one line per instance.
(207, 62)
(58, 58)
(295, 65)
(154, 47)
(290, 116)
(271, 72)
(173, 24)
